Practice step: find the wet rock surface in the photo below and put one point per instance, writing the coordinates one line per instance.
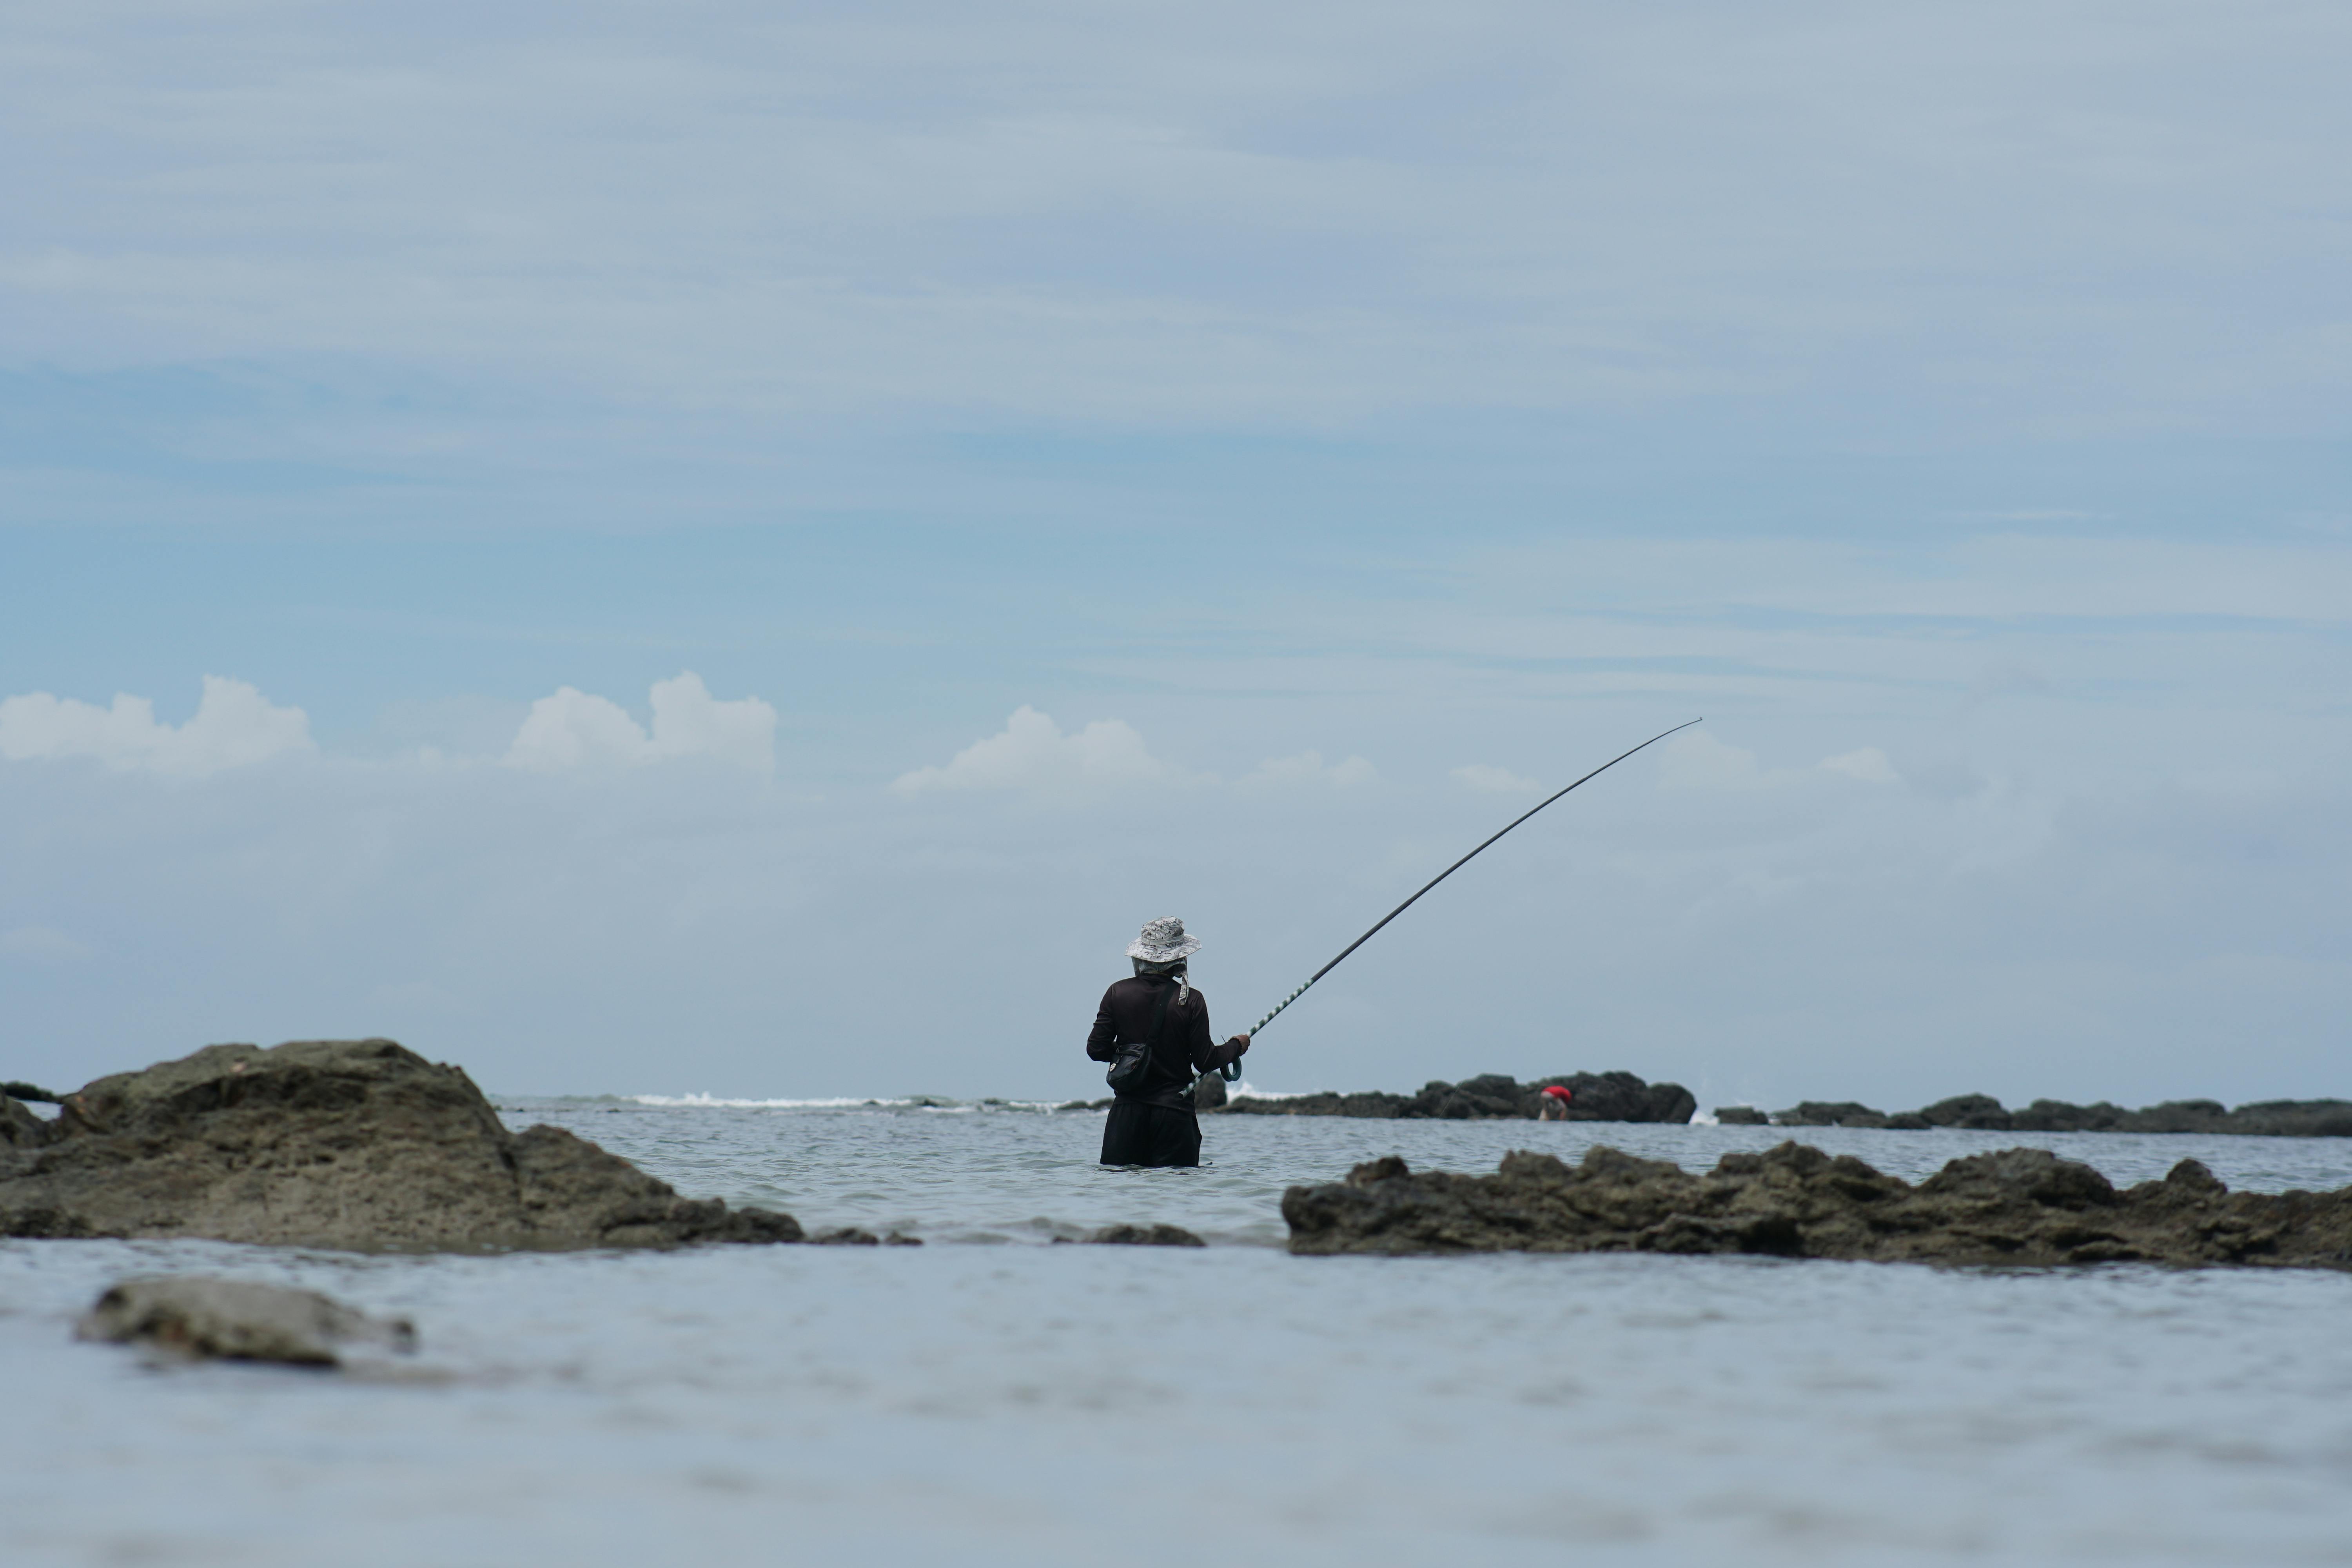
(199, 1317)
(339, 1143)
(2017, 1206)
(1595, 1096)
(1145, 1235)
(1983, 1113)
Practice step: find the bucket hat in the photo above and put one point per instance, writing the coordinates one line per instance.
(1163, 942)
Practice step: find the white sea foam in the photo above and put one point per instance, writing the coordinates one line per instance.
(837, 1102)
(728, 1102)
(1252, 1091)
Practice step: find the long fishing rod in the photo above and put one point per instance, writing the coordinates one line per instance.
(1232, 1070)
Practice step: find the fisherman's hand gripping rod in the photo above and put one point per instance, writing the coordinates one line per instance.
(1232, 1070)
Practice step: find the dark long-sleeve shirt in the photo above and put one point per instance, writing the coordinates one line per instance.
(1182, 1048)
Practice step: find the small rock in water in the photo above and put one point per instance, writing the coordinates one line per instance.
(1740, 1116)
(900, 1238)
(847, 1236)
(200, 1317)
(1145, 1235)
(1209, 1094)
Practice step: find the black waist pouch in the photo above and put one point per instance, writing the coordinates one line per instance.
(1133, 1061)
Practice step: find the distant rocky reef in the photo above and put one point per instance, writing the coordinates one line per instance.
(2013, 1207)
(1982, 1112)
(1593, 1097)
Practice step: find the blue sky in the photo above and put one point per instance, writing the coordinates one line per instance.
(1359, 416)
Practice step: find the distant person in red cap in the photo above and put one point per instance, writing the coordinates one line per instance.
(1555, 1103)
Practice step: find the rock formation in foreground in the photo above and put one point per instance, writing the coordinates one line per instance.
(1597, 1096)
(198, 1316)
(2018, 1207)
(341, 1143)
(1982, 1112)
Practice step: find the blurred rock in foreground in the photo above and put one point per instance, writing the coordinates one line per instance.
(198, 1316)
(2018, 1207)
(1597, 1096)
(342, 1143)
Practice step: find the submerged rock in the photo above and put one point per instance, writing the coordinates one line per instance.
(342, 1143)
(236, 1319)
(1594, 1097)
(1145, 1235)
(1820, 1114)
(2015, 1207)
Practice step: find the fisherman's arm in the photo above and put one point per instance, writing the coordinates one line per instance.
(1207, 1057)
(1102, 1041)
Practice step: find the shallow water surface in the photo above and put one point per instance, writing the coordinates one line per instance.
(970, 1403)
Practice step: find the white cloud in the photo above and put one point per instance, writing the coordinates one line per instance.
(1698, 761)
(572, 728)
(1308, 768)
(234, 726)
(42, 945)
(1488, 779)
(1869, 765)
(1695, 760)
(1031, 752)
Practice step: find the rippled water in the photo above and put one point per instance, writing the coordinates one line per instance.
(981, 1401)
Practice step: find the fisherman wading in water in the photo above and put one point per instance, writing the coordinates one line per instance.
(1166, 1022)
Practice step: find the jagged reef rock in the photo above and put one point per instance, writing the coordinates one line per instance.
(195, 1316)
(1594, 1097)
(2016, 1206)
(342, 1143)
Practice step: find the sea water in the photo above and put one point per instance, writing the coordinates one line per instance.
(991, 1397)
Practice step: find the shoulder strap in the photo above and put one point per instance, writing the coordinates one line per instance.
(1158, 1019)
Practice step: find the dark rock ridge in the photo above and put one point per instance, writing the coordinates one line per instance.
(1598, 1097)
(2018, 1207)
(197, 1316)
(341, 1143)
(1982, 1112)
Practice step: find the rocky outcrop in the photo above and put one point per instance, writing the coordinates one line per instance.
(19, 1128)
(1983, 1113)
(1595, 1096)
(2018, 1207)
(341, 1143)
(195, 1316)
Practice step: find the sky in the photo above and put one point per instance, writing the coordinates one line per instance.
(746, 548)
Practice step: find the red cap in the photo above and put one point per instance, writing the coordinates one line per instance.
(1561, 1089)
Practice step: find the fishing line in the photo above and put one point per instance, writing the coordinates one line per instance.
(1232, 1070)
